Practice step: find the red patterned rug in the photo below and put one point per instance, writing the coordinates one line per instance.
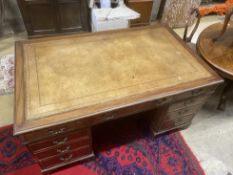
(130, 150)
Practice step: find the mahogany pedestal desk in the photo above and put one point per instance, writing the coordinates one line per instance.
(65, 85)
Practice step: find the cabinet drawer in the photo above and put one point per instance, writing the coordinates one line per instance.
(52, 151)
(206, 91)
(60, 140)
(63, 159)
(182, 112)
(130, 110)
(187, 102)
(173, 124)
(100, 118)
(53, 131)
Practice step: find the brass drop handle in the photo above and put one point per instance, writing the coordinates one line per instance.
(64, 150)
(110, 117)
(60, 131)
(66, 158)
(60, 142)
(161, 101)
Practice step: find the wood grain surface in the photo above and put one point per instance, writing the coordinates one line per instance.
(219, 53)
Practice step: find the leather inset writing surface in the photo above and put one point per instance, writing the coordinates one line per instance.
(73, 73)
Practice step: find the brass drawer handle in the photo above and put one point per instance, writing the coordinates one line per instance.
(60, 131)
(64, 150)
(110, 118)
(161, 101)
(60, 142)
(66, 158)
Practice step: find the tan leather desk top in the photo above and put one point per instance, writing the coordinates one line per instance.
(65, 78)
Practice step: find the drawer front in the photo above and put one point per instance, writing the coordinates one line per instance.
(53, 131)
(180, 101)
(60, 140)
(53, 151)
(206, 91)
(102, 118)
(173, 124)
(66, 158)
(182, 112)
(126, 111)
(187, 102)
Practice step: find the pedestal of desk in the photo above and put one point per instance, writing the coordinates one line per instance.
(65, 144)
(176, 115)
(61, 149)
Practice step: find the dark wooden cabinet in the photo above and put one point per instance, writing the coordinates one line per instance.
(49, 17)
(72, 15)
(38, 16)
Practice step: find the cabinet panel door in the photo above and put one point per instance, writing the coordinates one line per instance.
(143, 7)
(72, 15)
(39, 16)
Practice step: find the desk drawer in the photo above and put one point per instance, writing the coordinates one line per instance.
(172, 115)
(53, 151)
(187, 102)
(176, 123)
(205, 91)
(61, 140)
(179, 101)
(53, 131)
(66, 158)
(130, 110)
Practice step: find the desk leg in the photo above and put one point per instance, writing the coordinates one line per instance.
(226, 93)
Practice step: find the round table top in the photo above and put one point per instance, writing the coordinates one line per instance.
(218, 54)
